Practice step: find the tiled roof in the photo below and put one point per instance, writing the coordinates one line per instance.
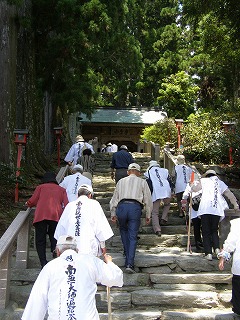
(109, 115)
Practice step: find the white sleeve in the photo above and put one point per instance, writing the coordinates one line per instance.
(187, 191)
(230, 243)
(37, 304)
(70, 155)
(60, 229)
(109, 274)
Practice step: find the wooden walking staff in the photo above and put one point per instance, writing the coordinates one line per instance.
(189, 216)
(109, 304)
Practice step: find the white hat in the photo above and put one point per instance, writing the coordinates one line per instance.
(69, 240)
(180, 159)
(78, 167)
(153, 163)
(212, 172)
(134, 166)
(79, 138)
(86, 187)
(123, 147)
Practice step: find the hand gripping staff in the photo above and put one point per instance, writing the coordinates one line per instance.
(189, 249)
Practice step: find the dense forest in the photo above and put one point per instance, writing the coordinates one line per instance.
(63, 56)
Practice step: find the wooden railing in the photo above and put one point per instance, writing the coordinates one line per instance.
(18, 231)
(153, 149)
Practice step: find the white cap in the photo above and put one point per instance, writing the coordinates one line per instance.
(153, 163)
(213, 172)
(123, 147)
(78, 167)
(134, 166)
(66, 240)
(86, 187)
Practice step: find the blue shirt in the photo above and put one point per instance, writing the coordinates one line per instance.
(121, 159)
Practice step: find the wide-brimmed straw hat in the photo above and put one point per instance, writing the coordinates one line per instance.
(79, 138)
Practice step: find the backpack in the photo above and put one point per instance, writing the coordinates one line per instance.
(149, 182)
(80, 152)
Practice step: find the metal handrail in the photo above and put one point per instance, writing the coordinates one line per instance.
(18, 230)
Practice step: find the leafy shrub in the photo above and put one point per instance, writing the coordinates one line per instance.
(205, 139)
(161, 132)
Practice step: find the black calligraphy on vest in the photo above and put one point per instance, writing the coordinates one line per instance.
(216, 191)
(72, 292)
(159, 178)
(184, 174)
(75, 189)
(78, 219)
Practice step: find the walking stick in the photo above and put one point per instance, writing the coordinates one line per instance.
(189, 216)
(109, 304)
(189, 249)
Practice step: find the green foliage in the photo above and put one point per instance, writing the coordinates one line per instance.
(204, 138)
(214, 46)
(15, 2)
(161, 132)
(178, 95)
(81, 52)
(7, 175)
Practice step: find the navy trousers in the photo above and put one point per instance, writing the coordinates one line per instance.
(129, 218)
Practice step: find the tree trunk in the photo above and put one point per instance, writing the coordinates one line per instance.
(8, 54)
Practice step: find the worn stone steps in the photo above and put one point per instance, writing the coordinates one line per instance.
(186, 314)
(176, 279)
(14, 313)
(170, 283)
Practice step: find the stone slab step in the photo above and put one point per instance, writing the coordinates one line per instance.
(203, 278)
(183, 299)
(203, 314)
(15, 313)
(148, 230)
(152, 240)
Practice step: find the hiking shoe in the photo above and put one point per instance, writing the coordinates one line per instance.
(163, 222)
(130, 269)
(208, 257)
(158, 233)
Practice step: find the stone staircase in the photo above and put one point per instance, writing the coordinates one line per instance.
(170, 282)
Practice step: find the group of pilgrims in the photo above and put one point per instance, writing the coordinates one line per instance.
(78, 228)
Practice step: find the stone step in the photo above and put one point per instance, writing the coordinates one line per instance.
(169, 283)
(141, 296)
(151, 240)
(203, 314)
(148, 230)
(167, 266)
(15, 313)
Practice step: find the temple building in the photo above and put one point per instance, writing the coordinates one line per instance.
(119, 126)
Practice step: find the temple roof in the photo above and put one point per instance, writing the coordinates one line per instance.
(110, 115)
